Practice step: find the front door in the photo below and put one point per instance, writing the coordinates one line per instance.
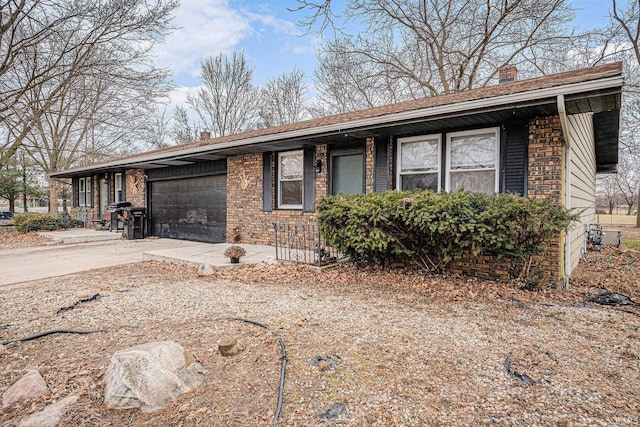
(347, 171)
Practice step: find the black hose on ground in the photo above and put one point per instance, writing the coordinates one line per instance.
(53, 331)
(283, 364)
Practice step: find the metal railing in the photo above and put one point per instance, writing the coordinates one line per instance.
(302, 242)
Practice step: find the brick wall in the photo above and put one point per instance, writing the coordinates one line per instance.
(545, 179)
(246, 222)
(135, 187)
(369, 153)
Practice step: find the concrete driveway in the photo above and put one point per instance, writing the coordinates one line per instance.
(84, 250)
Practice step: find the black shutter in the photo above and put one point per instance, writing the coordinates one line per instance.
(381, 167)
(516, 157)
(74, 192)
(309, 180)
(91, 192)
(267, 185)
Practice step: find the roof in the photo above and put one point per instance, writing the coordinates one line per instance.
(592, 89)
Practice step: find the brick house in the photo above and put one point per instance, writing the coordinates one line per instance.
(541, 137)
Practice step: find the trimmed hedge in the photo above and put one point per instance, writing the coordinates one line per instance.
(43, 222)
(432, 229)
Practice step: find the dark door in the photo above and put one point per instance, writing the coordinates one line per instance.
(347, 171)
(190, 208)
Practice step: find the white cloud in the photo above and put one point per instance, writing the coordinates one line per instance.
(203, 28)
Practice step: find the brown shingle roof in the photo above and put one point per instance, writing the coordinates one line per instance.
(550, 81)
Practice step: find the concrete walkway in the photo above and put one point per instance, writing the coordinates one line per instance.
(78, 250)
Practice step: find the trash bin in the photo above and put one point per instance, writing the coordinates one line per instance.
(135, 223)
(114, 213)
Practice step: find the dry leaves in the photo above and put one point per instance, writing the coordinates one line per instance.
(410, 349)
(14, 239)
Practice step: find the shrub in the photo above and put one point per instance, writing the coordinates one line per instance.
(25, 223)
(432, 229)
(235, 252)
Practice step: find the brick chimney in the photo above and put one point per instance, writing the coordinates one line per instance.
(507, 74)
(204, 135)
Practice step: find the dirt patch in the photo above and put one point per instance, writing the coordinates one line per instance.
(399, 347)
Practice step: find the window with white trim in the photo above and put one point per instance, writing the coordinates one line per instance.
(84, 191)
(118, 187)
(419, 163)
(472, 161)
(290, 179)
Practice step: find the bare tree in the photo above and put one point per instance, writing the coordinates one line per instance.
(227, 101)
(628, 181)
(282, 100)
(607, 188)
(98, 100)
(156, 132)
(70, 42)
(626, 23)
(623, 33)
(346, 84)
(416, 49)
(183, 130)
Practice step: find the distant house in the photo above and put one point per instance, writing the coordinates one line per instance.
(540, 137)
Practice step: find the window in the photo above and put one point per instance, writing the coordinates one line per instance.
(118, 188)
(84, 191)
(347, 171)
(290, 182)
(472, 159)
(419, 163)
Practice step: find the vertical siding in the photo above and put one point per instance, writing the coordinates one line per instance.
(581, 180)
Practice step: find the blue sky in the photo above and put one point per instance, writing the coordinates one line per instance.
(267, 32)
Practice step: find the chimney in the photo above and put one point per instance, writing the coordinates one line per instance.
(204, 135)
(507, 74)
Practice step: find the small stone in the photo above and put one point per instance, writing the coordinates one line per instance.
(323, 365)
(228, 346)
(30, 386)
(206, 270)
(49, 416)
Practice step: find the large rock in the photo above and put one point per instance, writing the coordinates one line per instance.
(49, 416)
(150, 376)
(30, 386)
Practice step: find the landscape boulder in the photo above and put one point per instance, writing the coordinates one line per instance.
(150, 376)
(49, 416)
(30, 386)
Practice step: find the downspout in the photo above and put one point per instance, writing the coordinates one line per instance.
(565, 241)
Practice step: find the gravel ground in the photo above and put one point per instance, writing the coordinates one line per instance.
(404, 348)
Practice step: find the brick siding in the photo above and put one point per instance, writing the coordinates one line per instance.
(246, 222)
(135, 187)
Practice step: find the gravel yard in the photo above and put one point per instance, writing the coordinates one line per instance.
(401, 348)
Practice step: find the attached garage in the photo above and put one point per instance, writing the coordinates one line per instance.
(189, 202)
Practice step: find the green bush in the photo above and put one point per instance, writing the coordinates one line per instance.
(432, 229)
(43, 222)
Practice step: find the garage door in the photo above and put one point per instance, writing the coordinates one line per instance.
(190, 208)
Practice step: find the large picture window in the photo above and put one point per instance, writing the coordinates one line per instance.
(472, 159)
(290, 179)
(419, 163)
